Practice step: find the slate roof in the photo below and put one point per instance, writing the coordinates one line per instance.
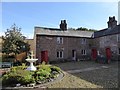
(107, 31)
(58, 32)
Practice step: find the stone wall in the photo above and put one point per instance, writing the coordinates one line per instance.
(50, 44)
(110, 41)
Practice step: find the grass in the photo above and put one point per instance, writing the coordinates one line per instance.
(102, 78)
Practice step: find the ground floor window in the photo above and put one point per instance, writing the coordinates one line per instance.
(119, 51)
(59, 54)
(83, 52)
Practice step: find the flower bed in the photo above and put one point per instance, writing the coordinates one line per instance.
(19, 76)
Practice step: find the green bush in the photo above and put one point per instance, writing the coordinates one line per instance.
(19, 76)
(44, 67)
(23, 67)
(6, 58)
(55, 68)
(17, 63)
(41, 75)
(41, 78)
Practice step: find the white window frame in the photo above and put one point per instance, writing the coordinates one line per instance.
(83, 41)
(83, 52)
(59, 54)
(118, 38)
(98, 52)
(59, 40)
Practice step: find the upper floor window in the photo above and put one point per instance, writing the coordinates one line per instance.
(83, 41)
(83, 52)
(37, 38)
(60, 40)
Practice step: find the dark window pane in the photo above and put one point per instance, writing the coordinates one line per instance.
(57, 54)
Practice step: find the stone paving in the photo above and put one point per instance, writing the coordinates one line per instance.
(88, 74)
(86, 69)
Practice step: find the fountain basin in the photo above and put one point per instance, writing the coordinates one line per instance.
(31, 67)
(31, 60)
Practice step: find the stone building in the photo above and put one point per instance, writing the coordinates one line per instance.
(62, 44)
(107, 41)
(56, 44)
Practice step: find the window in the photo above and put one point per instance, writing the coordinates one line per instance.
(119, 51)
(60, 40)
(83, 52)
(98, 52)
(118, 38)
(83, 41)
(38, 38)
(38, 45)
(59, 54)
(37, 41)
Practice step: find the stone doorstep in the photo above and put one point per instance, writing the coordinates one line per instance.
(59, 78)
(86, 69)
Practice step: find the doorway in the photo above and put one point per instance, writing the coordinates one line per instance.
(74, 55)
(94, 54)
(108, 54)
(44, 56)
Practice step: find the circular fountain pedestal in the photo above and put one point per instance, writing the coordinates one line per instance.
(31, 67)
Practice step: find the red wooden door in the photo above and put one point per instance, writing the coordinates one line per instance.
(108, 53)
(44, 56)
(94, 54)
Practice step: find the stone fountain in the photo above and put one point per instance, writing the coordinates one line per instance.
(31, 60)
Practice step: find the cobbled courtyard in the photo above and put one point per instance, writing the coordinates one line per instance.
(87, 74)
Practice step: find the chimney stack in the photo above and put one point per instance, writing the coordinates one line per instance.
(63, 25)
(112, 22)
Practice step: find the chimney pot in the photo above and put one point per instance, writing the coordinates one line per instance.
(63, 25)
(112, 22)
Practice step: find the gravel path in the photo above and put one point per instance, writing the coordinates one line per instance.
(104, 77)
(86, 69)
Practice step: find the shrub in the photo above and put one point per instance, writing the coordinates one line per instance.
(43, 62)
(17, 63)
(55, 68)
(13, 69)
(6, 58)
(44, 67)
(18, 76)
(41, 78)
(41, 75)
